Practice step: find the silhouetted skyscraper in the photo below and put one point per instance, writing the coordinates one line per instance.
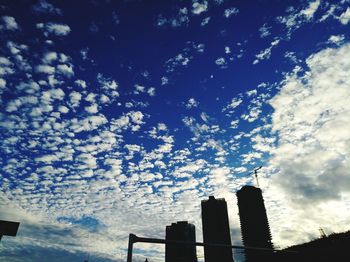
(216, 229)
(254, 224)
(181, 231)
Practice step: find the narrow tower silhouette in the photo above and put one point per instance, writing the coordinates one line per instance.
(254, 224)
(180, 231)
(216, 230)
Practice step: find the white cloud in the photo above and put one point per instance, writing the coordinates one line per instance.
(265, 54)
(66, 70)
(164, 80)
(264, 31)
(221, 62)
(104, 99)
(179, 60)
(198, 8)
(252, 92)
(48, 159)
(233, 104)
(54, 93)
(89, 123)
(115, 18)
(142, 89)
(312, 8)
(311, 158)
(344, 18)
(296, 17)
(182, 59)
(199, 48)
(253, 114)
(230, 12)
(13, 105)
(219, 2)
(234, 124)
(136, 117)
(91, 109)
(46, 69)
(192, 103)
(54, 28)
(205, 21)
(75, 98)
(139, 88)
(44, 7)
(218, 176)
(91, 97)
(161, 21)
(151, 91)
(5, 61)
(162, 127)
(6, 66)
(292, 57)
(49, 57)
(189, 169)
(80, 83)
(8, 23)
(120, 123)
(329, 13)
(108, 84)
(181, 19)
(336, 39)
(2, 84)
(63, 109)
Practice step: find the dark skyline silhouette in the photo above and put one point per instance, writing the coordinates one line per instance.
(216, 229)
(180, 231)
(328, 248)
(255, 231)
(255, 228)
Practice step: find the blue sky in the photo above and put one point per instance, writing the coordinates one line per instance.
(121, 116)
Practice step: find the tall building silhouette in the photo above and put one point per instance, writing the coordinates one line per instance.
(254, 224)
(180, 231)
(216, 229)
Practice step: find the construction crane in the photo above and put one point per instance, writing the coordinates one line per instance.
(255, 172)
(322, 233)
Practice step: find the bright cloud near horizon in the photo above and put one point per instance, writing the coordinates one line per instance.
(119, 117)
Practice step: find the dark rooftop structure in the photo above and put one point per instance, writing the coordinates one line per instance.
(254, 224)
(216, 230)
(8, 228)
(180, 231)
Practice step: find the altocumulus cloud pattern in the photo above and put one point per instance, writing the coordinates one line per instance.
(121, 116)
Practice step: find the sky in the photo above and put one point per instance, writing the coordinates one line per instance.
(119, 117)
